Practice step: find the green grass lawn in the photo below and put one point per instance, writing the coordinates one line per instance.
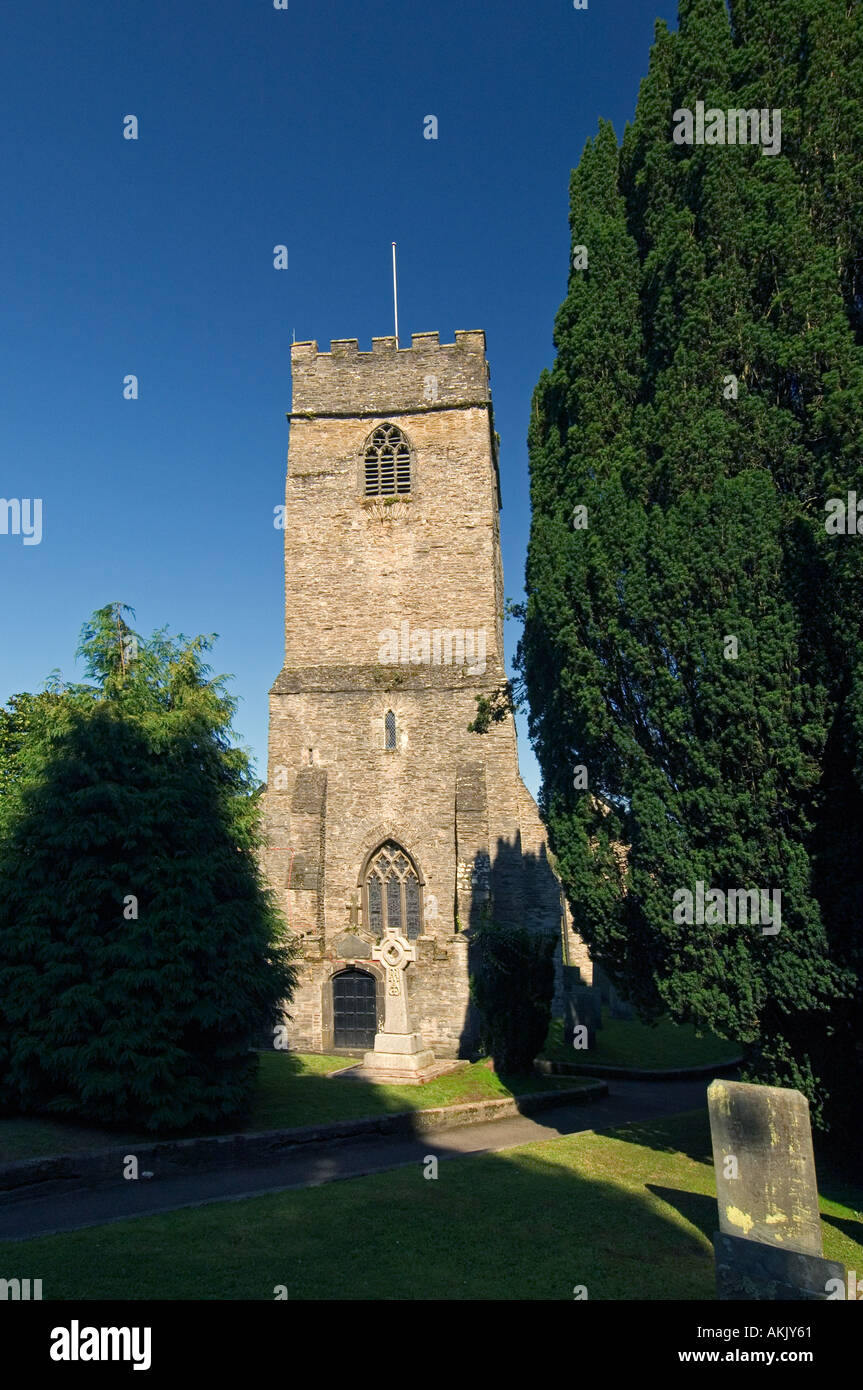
(292, 1089)
(628, 1215)
(629, 1043)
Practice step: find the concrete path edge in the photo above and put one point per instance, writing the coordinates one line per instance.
(236, 1150)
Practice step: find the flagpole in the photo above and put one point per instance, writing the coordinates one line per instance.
(395, 295)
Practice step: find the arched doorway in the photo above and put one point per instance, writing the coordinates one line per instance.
(355, 1014)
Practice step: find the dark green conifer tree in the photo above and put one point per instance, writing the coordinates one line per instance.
(139, 950)
(735, 415)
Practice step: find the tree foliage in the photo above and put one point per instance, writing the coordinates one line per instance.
(512, 983)
(139, 949)
(704, 405)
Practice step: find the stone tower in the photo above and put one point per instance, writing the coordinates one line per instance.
(383, 809)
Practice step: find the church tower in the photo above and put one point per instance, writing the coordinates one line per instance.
(384, 810)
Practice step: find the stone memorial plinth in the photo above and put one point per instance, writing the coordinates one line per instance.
(769, 1242)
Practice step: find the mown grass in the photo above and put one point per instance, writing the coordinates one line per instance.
(630, 1043)
(626, 1215)
(292, 1090)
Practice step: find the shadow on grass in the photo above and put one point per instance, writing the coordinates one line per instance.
(659, 1046)
(628, 1213)
(701, 1212)
(687, 1133)
(291, 1091)
(690, 1134)
(299, 1091)
(694, 1207)
(536, 1223)
(849, 1227)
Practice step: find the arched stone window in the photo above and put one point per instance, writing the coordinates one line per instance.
(391, 892)
(390, 730)
(387, 461)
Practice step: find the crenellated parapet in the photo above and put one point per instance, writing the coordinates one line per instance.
(428, 375)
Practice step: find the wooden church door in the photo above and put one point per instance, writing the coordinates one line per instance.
(355, 1020)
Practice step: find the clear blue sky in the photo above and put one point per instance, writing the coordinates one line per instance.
(155, 257)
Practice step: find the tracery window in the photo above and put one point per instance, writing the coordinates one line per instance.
(387, 460)
(392, 892)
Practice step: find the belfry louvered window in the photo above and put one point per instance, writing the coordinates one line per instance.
(387, 463)
(392, 892)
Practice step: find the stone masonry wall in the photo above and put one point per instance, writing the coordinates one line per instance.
(355, 569)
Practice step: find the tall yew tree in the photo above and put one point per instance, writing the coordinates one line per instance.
(693, 630)
(139, 949)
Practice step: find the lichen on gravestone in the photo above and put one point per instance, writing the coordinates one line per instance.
(771, 1194)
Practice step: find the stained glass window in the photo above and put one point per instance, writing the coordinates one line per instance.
(375, 914)
(392, 878)
(394, 903)
(390, 726)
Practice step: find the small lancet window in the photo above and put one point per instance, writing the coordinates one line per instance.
(387, 461)
(390, 727)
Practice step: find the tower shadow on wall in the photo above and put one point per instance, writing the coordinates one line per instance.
(514, 888)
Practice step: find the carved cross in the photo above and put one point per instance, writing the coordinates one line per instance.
(395, 953)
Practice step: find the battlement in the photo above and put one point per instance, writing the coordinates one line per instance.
(428, 375)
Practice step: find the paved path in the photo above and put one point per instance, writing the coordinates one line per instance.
(27, 1214)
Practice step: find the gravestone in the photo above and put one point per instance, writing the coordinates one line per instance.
(581, 1006)
(766, 1193)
